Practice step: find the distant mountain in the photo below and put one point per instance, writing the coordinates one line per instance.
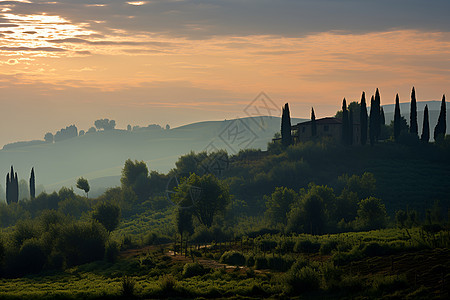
(100, 156)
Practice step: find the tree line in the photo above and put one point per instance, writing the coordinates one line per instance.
(12, 186)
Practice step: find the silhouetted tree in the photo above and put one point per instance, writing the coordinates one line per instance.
(377, 112)
(363, 119)
(167, 127)
(12, 187)
(32, 185)
(350, 126)
(66, 133)
(372, 129)
(91, 130)
(413, 128)
(81, 133)
(382, 118)
(105, 124)
(129, 127)
(83, 184)
(441, 126)
(397, 119)
(286, 137)
(313, 123)
(135, 176)
(426, 126)
(48, 137)
(345, 123)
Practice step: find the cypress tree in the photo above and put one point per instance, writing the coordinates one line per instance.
(372, 121)
(32, 185)
(350, 126)
(16, 188)
(363, 118)
(441, 126)
(8, 192)
(286, 137)
(345, 125)
(382, 118)
(12, 187)
(413, 128)
(377, 121)
(426, 126)
(313, 123)
(397, 119)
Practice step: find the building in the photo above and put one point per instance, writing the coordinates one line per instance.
(325, 127)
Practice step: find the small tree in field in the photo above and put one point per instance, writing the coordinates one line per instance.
(108, 215)
(83, 184)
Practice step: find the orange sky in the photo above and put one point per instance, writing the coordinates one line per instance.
(67, 62)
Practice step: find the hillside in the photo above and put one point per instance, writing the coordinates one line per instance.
(100, 156)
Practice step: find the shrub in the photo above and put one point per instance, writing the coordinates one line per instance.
(267, 245)
(233, 258)
(193, 269)
(280, 263)
(167, 284)
(383, 284)
(128, 284)
(306, 246)
(351, 284)
(303, 280)
(327, 247)
(261, 263)
(250, 261)
(31, 258)
(332, 276)
(112, 252)
(287, 246)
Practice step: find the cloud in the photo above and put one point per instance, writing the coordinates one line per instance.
(43, 49)
(109, 43)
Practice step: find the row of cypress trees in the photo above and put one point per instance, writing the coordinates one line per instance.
(12, 186)
(439, 130)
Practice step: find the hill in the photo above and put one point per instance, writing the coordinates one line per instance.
(100, 156)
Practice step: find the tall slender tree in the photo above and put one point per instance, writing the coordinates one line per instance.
(441, 126)
(350, 126)
(413, 127)
(313, 123)
(12, 187)
(372, 121)
(32, 185)
(377, 122)
(426, 126)
(397, 119)
(363, 118)
(382, 117)
(286, 137)
(345, 125)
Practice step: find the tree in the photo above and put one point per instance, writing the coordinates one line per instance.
(371, 214)
(313, 123)
(167, 127)
(314, 214)
(286, 137)
(23, 190)
(129, 127)
(81, 133)
(135, 176)
(372, 129)
(441, 126)
(12, 187)
(426, 126)
(413, 128)
(401, 218)
(91, 130)
(107, 214)
(377, 115)
(345, 123)
(32, 185)
(83, 184)
(105, 124)
(350, 126)
(48, 137)
(184, 223)
(363, 118)
(382, 117)
(207, 196)
(397, 119)
(278, 204)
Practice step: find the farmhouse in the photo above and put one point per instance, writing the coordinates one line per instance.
(325, 127)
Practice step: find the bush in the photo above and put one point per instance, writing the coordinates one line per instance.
(250, 261)
(233, 258)
(167, 284)
(267, 245)
(287, 246)
(280, 263)
(261, 263)
(31, 258)
(303, 280)
(112, 252)
(193, 269)
(128, 286)
(306, 246)
(327, 247)
(383, 284)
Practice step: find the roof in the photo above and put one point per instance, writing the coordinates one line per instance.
(323, 121)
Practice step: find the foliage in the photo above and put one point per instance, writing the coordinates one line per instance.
(107, 214)
(233, 258)
(278, 204)
(105, 124)
(301, 280)
(83, 184)
(193, 269)
(371, 214)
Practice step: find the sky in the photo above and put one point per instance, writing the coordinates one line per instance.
(182, 61)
